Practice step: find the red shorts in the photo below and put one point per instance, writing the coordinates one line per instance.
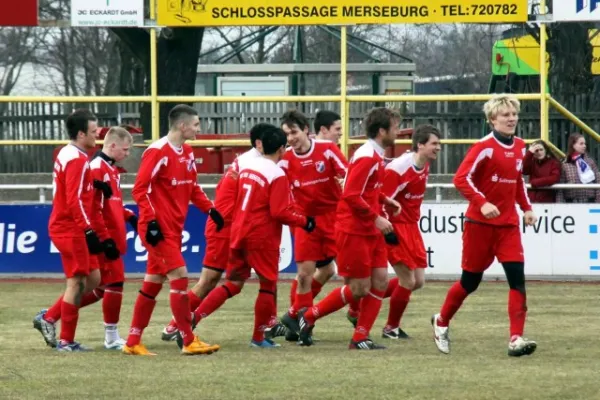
(111, 271)
(319, 244)
(164, 257)
(482, 242)
(74, 255)
(264, 262)
(216, 253)
(358, 255)
(411, 249)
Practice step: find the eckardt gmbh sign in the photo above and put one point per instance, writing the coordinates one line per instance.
(337, 12)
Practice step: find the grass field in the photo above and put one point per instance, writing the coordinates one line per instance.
(563, 318)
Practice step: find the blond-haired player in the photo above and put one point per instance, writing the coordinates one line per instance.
(490, 178)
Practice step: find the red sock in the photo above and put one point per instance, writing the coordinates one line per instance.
(398, 302)
(91, 297)
(263, 309)
(315, 287)
(111, 304)
(517, 311)
(180, 307)
(194, 303)
(303, 300)
(392, 285)
(335, 300)
(215, 299)
(454, 299)
(142, 311)
(369, 310)
(354, 307)
(293, 291)
(53, 313)
(68, 326)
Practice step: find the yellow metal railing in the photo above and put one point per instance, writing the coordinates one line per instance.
(343, 98)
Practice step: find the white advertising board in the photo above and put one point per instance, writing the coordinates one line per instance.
(576, 10)
(107, 13)
(565, 240)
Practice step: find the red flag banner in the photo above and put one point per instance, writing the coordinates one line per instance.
(18, 12)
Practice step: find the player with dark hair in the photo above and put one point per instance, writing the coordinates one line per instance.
(217, 241)
(490, 178)
(360, 230)
(263, 204)
(164, 186)
(71, 231)
(406, 182)
(328, 126)
(313, 167)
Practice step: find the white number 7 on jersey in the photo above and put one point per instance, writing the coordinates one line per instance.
(248, 189)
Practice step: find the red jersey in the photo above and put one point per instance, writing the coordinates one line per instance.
(110, 216)
(263, 205)
(165, 184)
(361, 197)
(225, 196)
(406, 184)
(72, 194)
(314, 176)
(492, 172)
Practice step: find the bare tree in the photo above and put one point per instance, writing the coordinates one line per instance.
(17, 48)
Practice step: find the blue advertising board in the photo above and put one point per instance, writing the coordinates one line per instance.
(25, 247)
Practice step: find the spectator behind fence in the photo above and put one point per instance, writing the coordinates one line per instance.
(578, 168)
(543, 169)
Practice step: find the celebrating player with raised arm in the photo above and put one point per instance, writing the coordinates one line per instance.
(313, 167)
(164, 186)
(217, 241)
(360, 230)
(406, 182)
(71, 231)
(263, 204)
(490, 178)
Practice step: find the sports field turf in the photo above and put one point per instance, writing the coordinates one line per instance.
(563, 319)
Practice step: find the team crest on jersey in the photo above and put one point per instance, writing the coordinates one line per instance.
(519, 165)
(190, 164)
(320, 166)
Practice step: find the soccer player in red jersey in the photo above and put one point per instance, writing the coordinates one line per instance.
(406, 182)
(263, 204)
(109, 221)
(165, 184)
(313, 168)
(490, 178)
(360, 230)
(217, 241)
(71, 231)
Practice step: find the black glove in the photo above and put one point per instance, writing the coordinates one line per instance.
(153, 234)
(217, 218)
(311, 224)
(93, 242)
(133, 220)
(110, 249)
(391, 238)
(105, 187)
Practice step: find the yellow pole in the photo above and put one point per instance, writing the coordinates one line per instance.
(343, 85)
(544, 117)
(154, 77)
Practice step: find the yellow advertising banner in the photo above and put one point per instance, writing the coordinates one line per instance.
(337, 12)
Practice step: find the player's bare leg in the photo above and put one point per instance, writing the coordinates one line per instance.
(321, 276)
(517, 310)
(408, 281)
(370, 306)
(45, 321)
(209, 278)
(468, 283)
